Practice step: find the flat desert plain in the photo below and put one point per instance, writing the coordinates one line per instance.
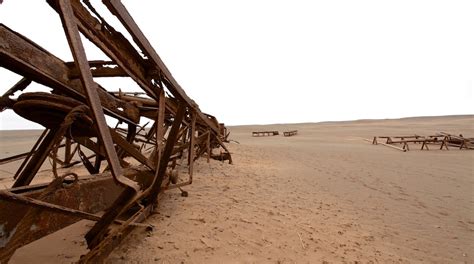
(322, 196)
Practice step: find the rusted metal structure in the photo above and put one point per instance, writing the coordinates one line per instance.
(73, 114)
(274, 133)
(265, 133)
(290, 133)
(442, 139)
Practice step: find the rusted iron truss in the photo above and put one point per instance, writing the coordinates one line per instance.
(265, 133)
(441, 140)
(116, 193)
(290, 133)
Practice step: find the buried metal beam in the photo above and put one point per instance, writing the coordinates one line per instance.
(100, 253)
(90, 195)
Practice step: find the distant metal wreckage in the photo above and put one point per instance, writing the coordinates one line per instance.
(73, 114)
(265, 133)
(442, 139)
(290, 133)
(274, 133)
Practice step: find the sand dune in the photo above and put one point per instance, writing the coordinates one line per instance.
(323, 196)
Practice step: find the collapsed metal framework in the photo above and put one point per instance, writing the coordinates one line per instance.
(288, 133)
(74, 116)
(442, 139)
(265, 133)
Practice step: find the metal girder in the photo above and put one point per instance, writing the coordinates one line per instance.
(26, 176)
(119, 10)
(98, 69)
(22, 56)
(112, 43)
(90, 88)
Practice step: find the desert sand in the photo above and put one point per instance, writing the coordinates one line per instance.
(322, 196)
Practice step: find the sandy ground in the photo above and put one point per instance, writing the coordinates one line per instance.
(323, 196)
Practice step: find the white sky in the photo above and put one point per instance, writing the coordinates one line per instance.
(275, 61)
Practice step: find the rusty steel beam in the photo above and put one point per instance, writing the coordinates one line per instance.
(37, 159)
(130, 149)
(14, 158)
(22, 56)
(19, 86)
(164, 159)
(119, 10)
(131, 187)
(120, 50)
(100, 253)
(79, 54)
(112, 43)
(98, 69)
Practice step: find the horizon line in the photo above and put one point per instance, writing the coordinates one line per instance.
(307, 122)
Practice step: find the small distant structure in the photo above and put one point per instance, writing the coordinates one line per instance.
(442, 139)
(290, 133)
(265, 133)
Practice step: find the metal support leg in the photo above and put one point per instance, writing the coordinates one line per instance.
(90, 88)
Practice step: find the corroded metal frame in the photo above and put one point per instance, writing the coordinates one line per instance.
(126, 193)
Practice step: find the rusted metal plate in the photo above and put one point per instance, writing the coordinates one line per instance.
(92, 195)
